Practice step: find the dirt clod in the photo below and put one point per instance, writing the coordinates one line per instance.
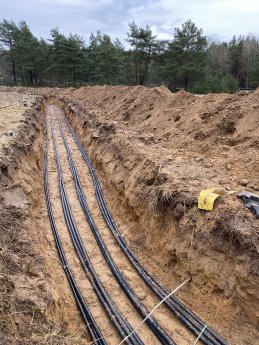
(244, 182)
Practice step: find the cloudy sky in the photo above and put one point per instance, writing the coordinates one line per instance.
(219, 19)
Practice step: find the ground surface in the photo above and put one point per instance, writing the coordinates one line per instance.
(12, 107)
(153, 151)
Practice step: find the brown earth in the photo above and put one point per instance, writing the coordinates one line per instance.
(154, 152)
(12, 107)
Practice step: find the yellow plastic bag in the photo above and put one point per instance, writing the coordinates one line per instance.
(207, 198)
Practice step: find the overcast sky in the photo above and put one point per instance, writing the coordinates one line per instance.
(219, 19)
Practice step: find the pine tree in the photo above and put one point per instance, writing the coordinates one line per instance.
(187, 53)
(104, 59)
(143, 44)
(57, 57)
(7, 35)
(75, 58)
(26, 53)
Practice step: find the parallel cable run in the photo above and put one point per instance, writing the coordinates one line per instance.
(117, 318)
(189, 319)
(152, 311)
(159, 332)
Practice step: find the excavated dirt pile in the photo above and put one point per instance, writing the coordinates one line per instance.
(154, 152)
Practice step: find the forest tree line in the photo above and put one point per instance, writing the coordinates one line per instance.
(189, 60)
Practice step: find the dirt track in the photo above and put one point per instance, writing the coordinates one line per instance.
(153, 153)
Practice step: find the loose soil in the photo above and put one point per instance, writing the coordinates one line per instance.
(154, 152)
(12, 108)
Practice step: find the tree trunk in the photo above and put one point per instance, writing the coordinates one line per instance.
(136, 78)
(73, 77)
(31, 77)
(141, 79)
(14, 71)
(186, 82)
(35, 77)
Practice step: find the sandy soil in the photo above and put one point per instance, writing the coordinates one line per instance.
(9, 123)
(153, 151)
(12, 108)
